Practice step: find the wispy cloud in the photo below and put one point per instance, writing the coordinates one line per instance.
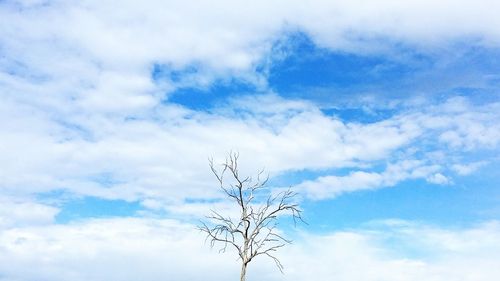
(152, 155)
(467, 168)
(330, 186)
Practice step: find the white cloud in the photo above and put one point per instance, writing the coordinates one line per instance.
(121, 249)
(438, 178)
(442, 132)
(148, 249)
(155, 155)
(330, 186)
(411, 252)
(81, 112)
(102, 57)
(162, 154)
(467, 169)
(15, 213)
(462, 125)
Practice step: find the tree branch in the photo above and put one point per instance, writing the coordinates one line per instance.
(254, 233)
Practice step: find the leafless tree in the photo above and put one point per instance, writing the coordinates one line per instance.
(254, 232)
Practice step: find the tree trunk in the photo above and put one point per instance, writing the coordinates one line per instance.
(243, 272)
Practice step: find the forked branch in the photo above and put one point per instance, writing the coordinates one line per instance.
(254, 232)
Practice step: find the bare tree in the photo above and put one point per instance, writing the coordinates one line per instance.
(254, 232)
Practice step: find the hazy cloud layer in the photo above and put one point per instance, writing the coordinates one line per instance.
(148, 249)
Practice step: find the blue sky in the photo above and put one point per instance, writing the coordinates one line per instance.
(382, 117)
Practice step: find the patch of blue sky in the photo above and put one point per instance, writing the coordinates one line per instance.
(93, 207)
(353, 87)
(321, 75)
(471, 199)
(74, 207)
(205, 99)
(360, 114)
(309, 66)
(198, 97)
(342, 80)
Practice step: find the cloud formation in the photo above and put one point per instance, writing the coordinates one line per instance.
(149, 249)
(86, 110)
(151, 156)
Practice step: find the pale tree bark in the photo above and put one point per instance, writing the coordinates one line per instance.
(254, 233)
(243, 272)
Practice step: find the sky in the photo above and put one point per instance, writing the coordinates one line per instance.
(381, 115)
